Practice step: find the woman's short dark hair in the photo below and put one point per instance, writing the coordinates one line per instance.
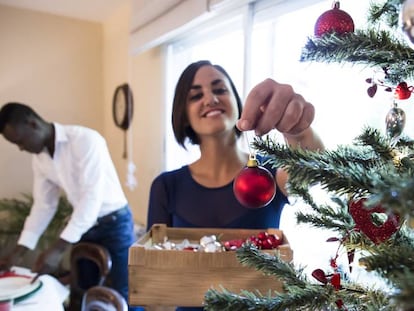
(181, 125)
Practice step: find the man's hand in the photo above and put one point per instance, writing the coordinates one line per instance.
(49, 260)
(271, 105)
(13, 258)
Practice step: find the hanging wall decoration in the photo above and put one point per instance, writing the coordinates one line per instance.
(122, 110)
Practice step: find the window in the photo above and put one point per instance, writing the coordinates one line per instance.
(279, 30)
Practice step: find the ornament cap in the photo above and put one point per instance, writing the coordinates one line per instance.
(252, 162)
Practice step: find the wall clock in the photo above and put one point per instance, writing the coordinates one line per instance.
(122, 106)
(122, 109)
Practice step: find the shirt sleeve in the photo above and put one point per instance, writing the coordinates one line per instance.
(45, 200)
(89, 165)
(158, 203)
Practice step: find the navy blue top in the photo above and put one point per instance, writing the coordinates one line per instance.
(177, 200)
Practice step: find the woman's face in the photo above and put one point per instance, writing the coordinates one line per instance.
(211, 105)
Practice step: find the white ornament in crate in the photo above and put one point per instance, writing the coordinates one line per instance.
(407, 21)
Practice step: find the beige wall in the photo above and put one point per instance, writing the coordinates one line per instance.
(149, 124)
(53, 64)
(144, 73)
(67, 70)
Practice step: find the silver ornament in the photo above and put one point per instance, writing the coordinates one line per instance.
(407, 21)
(395, 122)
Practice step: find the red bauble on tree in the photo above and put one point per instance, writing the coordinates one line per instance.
(334, 20)
(255, 186)
(363, 217)
(403, 91)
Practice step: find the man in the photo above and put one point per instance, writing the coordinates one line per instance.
(75, 160)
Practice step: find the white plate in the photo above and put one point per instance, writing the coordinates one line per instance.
(17, 287)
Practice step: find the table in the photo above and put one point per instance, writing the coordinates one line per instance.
(50, 296)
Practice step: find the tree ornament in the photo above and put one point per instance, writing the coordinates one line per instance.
(403, 91)
(265, 240)
(407, 21)
(395, 121)
(364, 221)
(372, 90)
(255, 186)
(334, 279)
(334, 20)
(320, 275)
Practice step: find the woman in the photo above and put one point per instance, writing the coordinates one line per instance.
(207, 111)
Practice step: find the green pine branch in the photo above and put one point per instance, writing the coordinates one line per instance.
(269, 264)
(299, 293)
(392, 258)
(369, 169)
(387, 12)
(371, 48)
(346, 170)
(381, 145)
(327, 217)
(394, 262)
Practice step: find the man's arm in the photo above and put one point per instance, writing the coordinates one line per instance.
(49, 260)
(13, 258)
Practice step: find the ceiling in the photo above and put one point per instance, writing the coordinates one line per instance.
(91, 10)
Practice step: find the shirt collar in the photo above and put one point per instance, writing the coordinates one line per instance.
(60, 134)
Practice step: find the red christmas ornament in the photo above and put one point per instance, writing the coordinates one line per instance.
(334, 20)
(364, 221)
(320, 275)
(255, 186)
(232, 245)
(403, 91)
(265, 240)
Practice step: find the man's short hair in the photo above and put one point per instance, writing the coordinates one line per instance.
(15, 113)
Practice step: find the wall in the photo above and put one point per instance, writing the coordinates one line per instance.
(53, 64)
(67, 70)
(144, 72)
(149, 123)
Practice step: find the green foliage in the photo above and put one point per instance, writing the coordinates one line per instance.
(299, 294)
(370, 48)
(13, 213)
(379, 46)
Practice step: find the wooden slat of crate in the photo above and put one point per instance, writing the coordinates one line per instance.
(181, 278)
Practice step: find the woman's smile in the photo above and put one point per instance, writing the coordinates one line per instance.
(213, 113)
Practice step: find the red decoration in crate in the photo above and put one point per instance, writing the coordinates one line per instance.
(334, 20)
(362, 216)
(263, 240)
(233, 245)
(254, 186)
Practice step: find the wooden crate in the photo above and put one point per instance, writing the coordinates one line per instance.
(181, 278)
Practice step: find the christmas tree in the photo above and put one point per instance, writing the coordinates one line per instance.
(369, 183)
